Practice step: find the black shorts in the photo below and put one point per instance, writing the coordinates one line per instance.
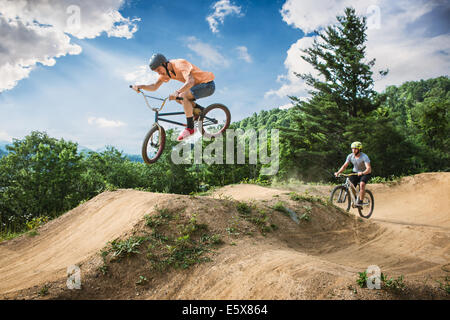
(357, 179)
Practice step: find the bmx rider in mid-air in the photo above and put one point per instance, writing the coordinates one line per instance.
(197, 84)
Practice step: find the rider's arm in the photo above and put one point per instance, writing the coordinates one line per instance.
(344, 166)
(150, 87)
(368, 168)
(188, 84)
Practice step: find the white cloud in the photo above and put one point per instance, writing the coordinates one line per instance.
(37, 31)
(210, 55)
(286, 106)
(104, 123)
(243, 54)
(397, 38)
(222, 9)
(4, 136)
(141, 75)
(290, 83)
(309, 15)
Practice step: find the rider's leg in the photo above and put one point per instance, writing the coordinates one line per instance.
(202, 90)
(362, 190)
(188, 111)
(362, 186)
(187, 103)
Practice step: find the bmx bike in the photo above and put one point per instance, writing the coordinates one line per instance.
(212, 121)
(346, 195)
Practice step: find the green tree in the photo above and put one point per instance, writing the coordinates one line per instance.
(342, 94)
(339, 56)
(421, 112)
(38, 177)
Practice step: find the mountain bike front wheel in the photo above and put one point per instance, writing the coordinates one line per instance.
(214, 120)
(340, 197)
(153, 144)
(366, 209)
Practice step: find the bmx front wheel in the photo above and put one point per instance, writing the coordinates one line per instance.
(153, 144)
(340, 198)
(366, 209)
(214, 120)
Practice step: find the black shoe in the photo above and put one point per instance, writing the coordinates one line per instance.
(359, 203)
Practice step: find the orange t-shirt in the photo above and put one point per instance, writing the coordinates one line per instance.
(183, 68)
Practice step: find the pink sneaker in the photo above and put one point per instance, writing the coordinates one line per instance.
(186, 133)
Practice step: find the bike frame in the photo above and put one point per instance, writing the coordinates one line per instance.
(158, 114)
(352, 190)
(158, 110)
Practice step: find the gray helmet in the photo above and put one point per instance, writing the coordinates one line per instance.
(157, 60)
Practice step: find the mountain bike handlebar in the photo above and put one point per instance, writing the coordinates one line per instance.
(347, 175)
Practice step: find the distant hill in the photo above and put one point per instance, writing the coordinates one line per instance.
(3, 151)
(134, 158)
(271, 119)
(131, 157)
(3, 144)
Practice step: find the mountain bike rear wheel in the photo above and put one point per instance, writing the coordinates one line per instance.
(153, 144)
(340, 197)
(366, 209)
(214, 120)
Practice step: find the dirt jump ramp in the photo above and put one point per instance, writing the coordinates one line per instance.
(408, 235)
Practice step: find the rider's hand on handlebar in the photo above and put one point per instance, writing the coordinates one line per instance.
(173, 96)
(136, 88)
(336, 174)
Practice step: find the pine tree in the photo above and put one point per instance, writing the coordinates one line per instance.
(339, 54)
(343, 91)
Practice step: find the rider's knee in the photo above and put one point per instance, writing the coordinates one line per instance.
(185, 94)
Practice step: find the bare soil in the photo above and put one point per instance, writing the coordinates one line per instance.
(408, 235)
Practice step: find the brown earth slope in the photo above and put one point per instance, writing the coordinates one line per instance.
(408, 235)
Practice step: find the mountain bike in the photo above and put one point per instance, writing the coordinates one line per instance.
(212, 121)
(346, 195)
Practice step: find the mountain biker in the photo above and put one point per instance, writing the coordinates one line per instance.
(361, 166)
(197, 84)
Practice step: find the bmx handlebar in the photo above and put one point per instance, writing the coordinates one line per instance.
(348, 175)
(177, 98)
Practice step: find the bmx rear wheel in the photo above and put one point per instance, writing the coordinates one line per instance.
(366, 209)
(340, 198)
(153, 144)
(214, 120)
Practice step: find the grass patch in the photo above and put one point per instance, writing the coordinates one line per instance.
(142, 280)
(308, 197)
(393, 284)
(445, 285)
(243, 208)
(43, 291)
(31, 227)
(127, 247)
(179, 245)
(386, 282)
(32, 233)
(265, 181)
(9, 235)
(392, 179)
(175, 241)
(251, 213)
(279, 206)
(362, 279)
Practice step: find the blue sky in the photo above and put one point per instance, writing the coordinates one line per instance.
(72, 82)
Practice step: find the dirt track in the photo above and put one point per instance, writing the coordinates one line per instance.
(408, 234)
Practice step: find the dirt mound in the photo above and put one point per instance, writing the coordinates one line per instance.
(272, 245)
(417, 200)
